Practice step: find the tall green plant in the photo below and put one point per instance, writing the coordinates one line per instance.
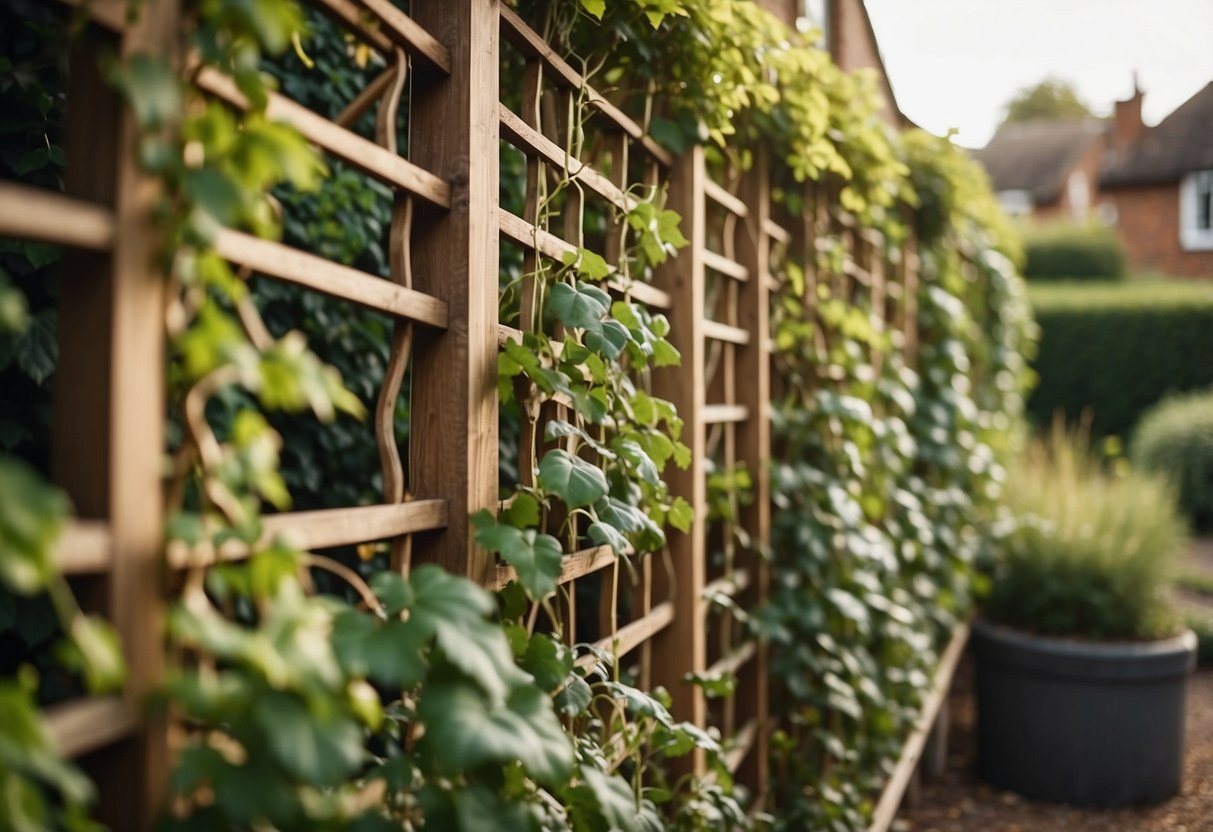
(1089, 551)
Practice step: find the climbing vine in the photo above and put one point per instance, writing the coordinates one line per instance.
(322, 692)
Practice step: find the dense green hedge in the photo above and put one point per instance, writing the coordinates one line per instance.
(1064, 252)
(1119, 348)
(1176, 439)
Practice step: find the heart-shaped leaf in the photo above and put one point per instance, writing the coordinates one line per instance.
(571, 478)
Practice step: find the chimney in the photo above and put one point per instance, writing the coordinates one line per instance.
(1127, 125)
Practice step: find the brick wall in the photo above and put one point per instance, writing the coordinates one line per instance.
(1147, 221)
(853, 45)
(1061, 210)
(785, 10)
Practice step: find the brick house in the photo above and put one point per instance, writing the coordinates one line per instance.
(1048, 170)
(1158, 185)
(1154, 185)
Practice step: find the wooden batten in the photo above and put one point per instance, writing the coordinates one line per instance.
(455, 259)
(681, 648)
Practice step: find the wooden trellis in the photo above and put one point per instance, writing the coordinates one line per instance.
(108, 439)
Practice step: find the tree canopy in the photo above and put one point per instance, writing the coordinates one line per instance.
(1051, 100)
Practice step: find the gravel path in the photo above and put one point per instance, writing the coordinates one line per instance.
(958, 802)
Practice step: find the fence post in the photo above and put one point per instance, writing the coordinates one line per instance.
(108, 441)
(681, 648)
(754, 448)
(454, 134)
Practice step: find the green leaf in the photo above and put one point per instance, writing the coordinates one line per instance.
(456, 611)
(571, 478)
(596, 8)
(575, 697)
(32, 516)
(462, 731)
(580, 308)
(614, 797)
(604, 534)
(609, 339)
(640, 461)
(97, 653)
(393, 591)
(548, 660)
(37, 348)
(523, 512)
(535, 557)
(322, 747)
(680, 515)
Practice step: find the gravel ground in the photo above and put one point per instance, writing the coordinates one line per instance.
(958, 802)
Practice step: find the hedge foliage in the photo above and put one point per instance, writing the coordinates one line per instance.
(1175, 439)
(1117, 349)
(1067, 252)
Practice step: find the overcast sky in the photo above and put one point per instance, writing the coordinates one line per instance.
(955, 63)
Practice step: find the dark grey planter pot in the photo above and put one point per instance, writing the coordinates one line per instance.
(1089, 724)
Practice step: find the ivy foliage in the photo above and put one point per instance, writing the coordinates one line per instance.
(424, 701)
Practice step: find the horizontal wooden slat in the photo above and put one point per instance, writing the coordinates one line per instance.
(527, 41)
(574, 566)
(642, 292)
(722, 264)
(308, 270)
(333, 527)
(775, 231)
(84, 725)
(729, 665)
(404, 32)
(533, 143)
(354, 17)
(718, 194)
(549, 245)
(894, 790)
(715, 414)
(632, 635)
(369, 157)
(741, 746)
(723, 332)
(730, 585)
(773, 284)
(86, 547)
(46, 216)
(532, 237)
(370, 95)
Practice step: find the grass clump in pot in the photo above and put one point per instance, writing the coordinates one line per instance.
(1090, 549)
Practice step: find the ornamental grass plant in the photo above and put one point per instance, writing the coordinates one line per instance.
(1089, 548)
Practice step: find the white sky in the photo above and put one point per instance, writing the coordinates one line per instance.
(956, 63)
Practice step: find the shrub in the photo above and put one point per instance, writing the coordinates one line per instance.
(1117, 349)
(1089, 552)
(1063, 252)
(1175, 439)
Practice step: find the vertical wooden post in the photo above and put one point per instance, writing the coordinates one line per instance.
(681, 648)
(109, 421)
(454, 134)
(754, 448)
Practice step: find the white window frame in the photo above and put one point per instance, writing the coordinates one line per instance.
(1193, 186)
(1016, 203)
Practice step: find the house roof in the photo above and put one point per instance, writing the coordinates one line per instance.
(1037, 156)
(1180, 143)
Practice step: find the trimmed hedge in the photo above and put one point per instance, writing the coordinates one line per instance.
(1066, 252)
(1119, 348)
(1175, 439)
